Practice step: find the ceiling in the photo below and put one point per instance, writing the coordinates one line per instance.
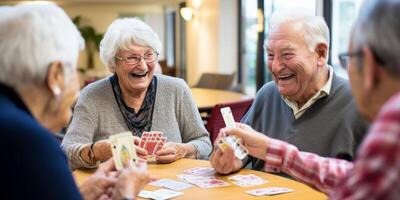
(99, 1)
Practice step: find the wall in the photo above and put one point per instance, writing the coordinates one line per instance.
(211, 39)
(100, 17)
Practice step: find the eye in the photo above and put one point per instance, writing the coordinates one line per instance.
(149, 55)
(132, 58)
(270, 56)
(288, 55)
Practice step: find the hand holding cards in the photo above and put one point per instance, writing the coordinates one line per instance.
(123, 149)
(231, 141)
(152, 142)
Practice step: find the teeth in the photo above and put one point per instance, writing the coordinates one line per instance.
(140, 74)
(285, 76)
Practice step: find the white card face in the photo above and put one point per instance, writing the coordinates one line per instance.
(122, 148)
(232, 141)
(228, 117)
(171, 184)
(164, 194)
(200, 171)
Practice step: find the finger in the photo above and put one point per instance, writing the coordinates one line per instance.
(136, 140)
(166, 151)
(107, 166)
(166, 159)
(141, 151)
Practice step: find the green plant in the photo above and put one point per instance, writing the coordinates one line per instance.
(92, 40)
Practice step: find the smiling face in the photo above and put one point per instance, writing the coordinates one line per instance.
(134, 78)
(293, 66)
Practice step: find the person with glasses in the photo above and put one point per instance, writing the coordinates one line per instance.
(134, 99)
(373, 65)
(306, 104)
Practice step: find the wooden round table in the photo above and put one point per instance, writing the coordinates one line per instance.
(301, 191)
(207, 98)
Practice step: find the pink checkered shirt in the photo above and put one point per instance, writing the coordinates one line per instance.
(375, 174)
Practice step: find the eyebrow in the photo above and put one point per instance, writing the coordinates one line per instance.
(288, 47)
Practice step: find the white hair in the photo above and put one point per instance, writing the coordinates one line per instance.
(32, 36)
(122, 34)
(316, 29)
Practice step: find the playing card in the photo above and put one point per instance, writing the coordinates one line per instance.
(190, 178)
(162, 194)
(233, 142)
(200, 171)
(269, 191)
(152, 142)
(210, 183)
(228, 117)
(249, 183)
(247, 180)
(247, 177)
(122, 148)
(171, 184)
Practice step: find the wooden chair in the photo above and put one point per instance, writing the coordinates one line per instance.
(215, 122)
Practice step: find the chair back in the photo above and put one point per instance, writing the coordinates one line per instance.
(216, 81)
(215, 122)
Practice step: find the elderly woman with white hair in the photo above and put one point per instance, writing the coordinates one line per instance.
(134, 99)
(39, 48)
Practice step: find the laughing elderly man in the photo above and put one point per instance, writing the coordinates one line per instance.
(307, 104)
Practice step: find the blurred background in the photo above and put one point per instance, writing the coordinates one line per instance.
(221, 38)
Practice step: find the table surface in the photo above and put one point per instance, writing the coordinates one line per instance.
(301, 191)
(207, 98)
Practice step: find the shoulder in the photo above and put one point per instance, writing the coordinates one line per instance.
(171, 84)
(267, 91)
(96, 90)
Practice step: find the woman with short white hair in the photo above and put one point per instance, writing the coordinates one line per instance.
(39, 48)
(134, 99)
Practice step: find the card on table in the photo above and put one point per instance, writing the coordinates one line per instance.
(269, 191)
(200, 171)
(160, 194)
(247, 180)
(171, 184)
(122, 148)
(210, 183)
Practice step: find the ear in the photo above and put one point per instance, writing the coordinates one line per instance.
(55, 78)
(369, 70)
(322, 52)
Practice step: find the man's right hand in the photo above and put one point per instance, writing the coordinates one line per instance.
(225, 162)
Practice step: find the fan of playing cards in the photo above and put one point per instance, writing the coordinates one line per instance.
(231, 141)
(152, 142)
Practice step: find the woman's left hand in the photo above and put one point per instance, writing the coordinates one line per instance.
(173, 151)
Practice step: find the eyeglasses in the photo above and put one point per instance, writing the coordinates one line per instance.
(148, 57)
(344, 58)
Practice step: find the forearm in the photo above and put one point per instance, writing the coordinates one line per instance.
(319, 172)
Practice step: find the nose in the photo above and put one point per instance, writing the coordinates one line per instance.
(275, 65)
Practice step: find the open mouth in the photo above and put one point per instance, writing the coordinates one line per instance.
(139, 74)
(286, 77)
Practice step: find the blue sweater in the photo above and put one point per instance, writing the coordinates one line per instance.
(32, 164)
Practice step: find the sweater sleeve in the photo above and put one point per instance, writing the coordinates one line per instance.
(81, 131)
(191, 125)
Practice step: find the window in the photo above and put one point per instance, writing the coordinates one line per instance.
(344, 13)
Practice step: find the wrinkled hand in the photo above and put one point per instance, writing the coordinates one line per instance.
(142, 153)
(130, 181)
(102, 150)
(171, 152)
(256, 143)
(224, 162)
(99, 185)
